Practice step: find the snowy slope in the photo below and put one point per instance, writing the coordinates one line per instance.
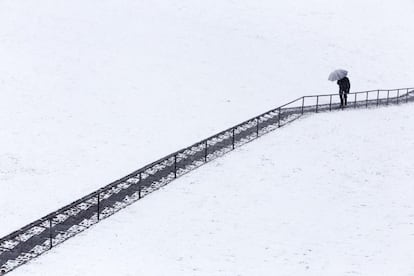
(323, 196)
(91, 91)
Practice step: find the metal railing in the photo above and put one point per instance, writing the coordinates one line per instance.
(42, 235)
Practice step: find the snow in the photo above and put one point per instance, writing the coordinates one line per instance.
(330, 194)
(94, 90)
(91, 91)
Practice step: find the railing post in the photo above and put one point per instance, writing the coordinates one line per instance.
(355, 99)
(257, 127)
(50, 234)
(366, 101)
(317, 103)
(406, 97)
(398, 96)
(280, 114)
(388, 96)
(139, 185)
(99, 205)
(377, 97)
(175, 166)
(232, 138)
(205, 151)
(330, 102)
(303, 103)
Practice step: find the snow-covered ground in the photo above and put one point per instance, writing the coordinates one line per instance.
(326, 195)
(92, 90)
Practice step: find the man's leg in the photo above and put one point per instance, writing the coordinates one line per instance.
(346, 98)
(341, 96)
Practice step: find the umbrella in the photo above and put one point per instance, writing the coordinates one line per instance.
(337, 75)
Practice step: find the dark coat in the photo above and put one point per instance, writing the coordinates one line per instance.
(344, 85)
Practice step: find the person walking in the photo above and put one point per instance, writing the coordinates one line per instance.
(340, 76)
(344, 87)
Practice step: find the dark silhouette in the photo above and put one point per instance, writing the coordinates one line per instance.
(344, 87)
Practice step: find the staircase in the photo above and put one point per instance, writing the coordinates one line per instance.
(42, 235)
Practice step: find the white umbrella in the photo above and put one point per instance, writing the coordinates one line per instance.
(337, 75)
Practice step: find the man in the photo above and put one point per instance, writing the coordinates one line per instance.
(344, 87)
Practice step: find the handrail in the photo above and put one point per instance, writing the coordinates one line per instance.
(183, 149)
(409, 92)
(176, 152)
